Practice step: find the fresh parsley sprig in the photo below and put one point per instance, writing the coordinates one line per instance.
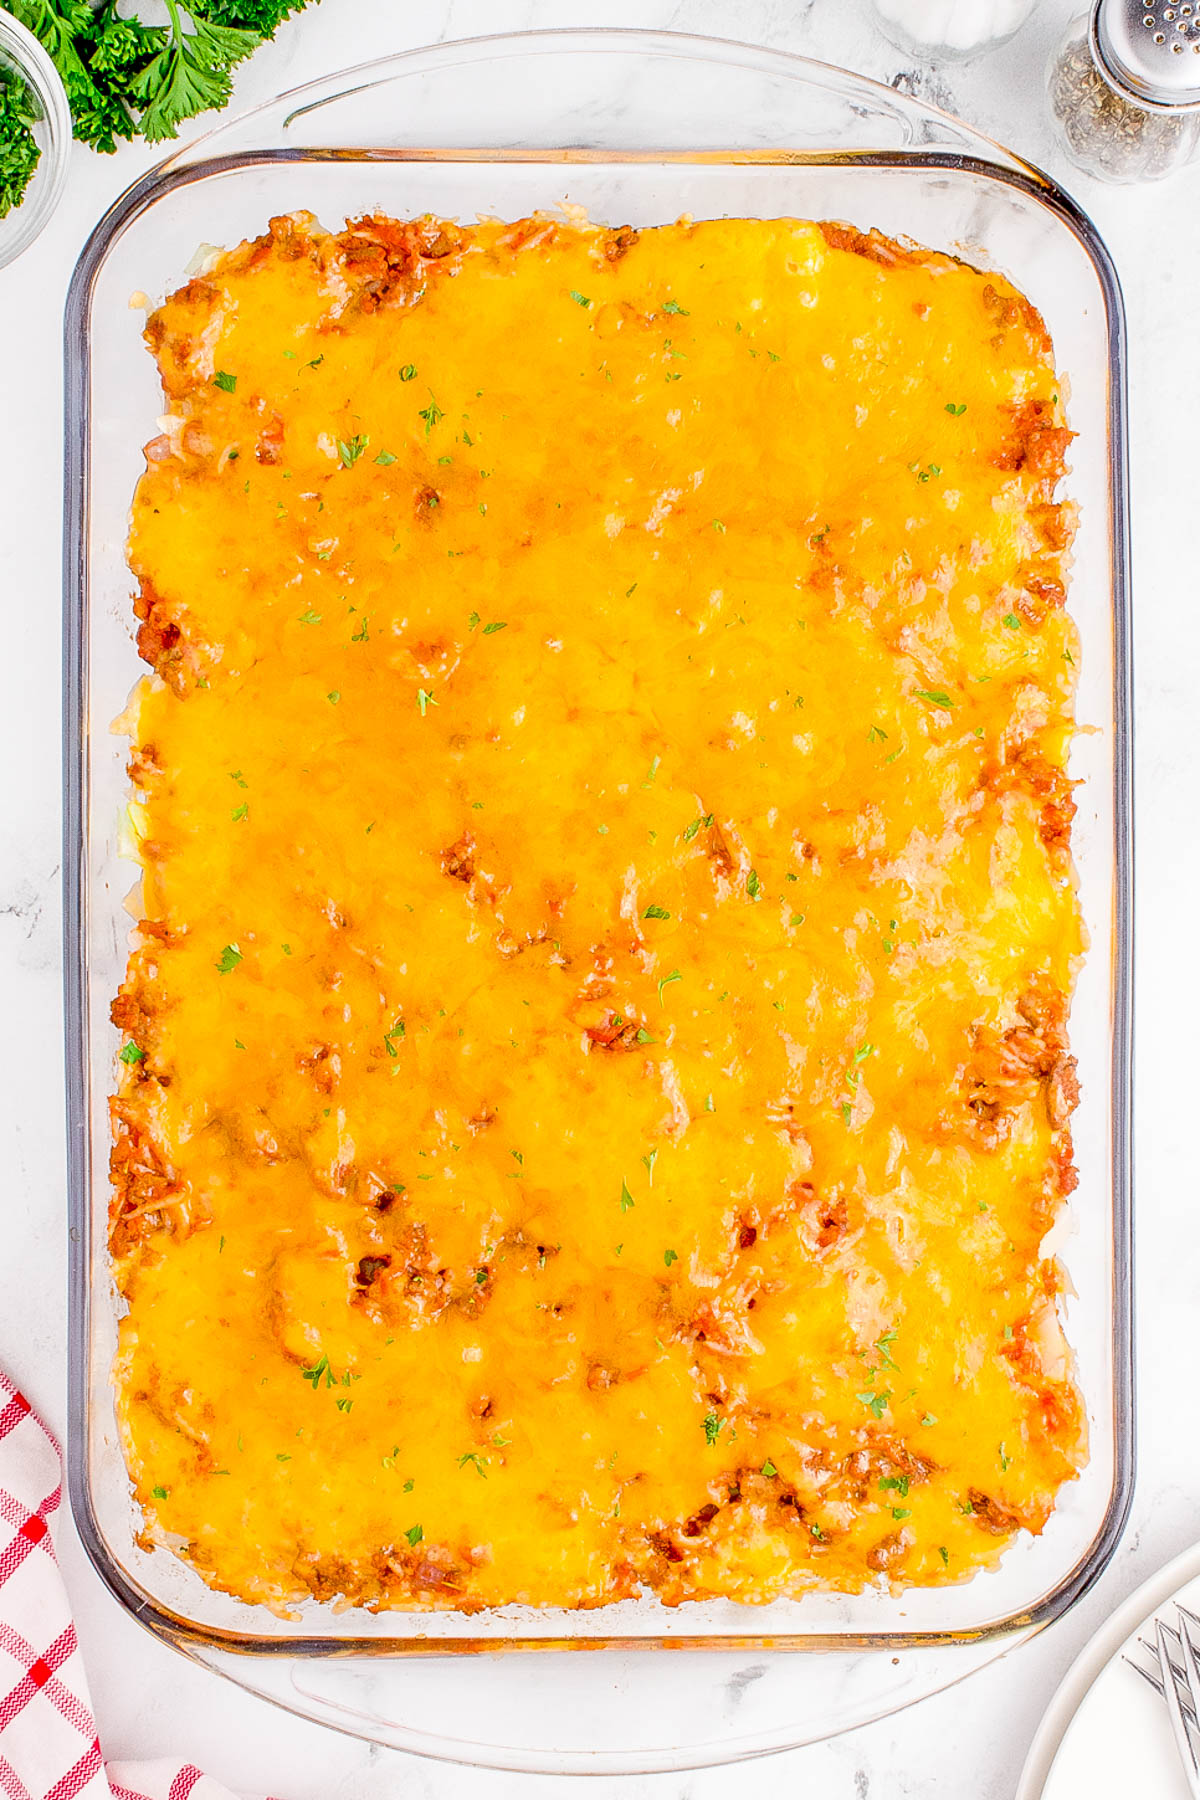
(125, 79)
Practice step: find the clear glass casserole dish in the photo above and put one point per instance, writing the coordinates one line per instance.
(610, 121)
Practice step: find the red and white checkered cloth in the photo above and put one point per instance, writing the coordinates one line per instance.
(49, 1747)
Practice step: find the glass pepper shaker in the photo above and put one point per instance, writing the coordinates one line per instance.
(1125, 88)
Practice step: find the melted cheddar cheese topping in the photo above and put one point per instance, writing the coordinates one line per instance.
(595, 1082)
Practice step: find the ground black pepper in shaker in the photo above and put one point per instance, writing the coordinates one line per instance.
(1125, 88)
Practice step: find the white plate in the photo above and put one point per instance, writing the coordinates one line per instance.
(1106, 1735)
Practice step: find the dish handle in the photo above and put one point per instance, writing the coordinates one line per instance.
(579, 85)
(539, 1714)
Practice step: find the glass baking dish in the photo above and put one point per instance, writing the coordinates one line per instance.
(636, 127)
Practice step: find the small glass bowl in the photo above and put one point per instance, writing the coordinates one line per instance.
(20, 51)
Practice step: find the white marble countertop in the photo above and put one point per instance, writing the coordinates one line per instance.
(972, 1740)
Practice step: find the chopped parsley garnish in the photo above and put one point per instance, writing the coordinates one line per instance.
(656, 912)
(670, 1256)
(496, 625)
(230, 957)
(643, 1036)
(898, 1482)
(1012, 621)
(712, 1428)
(753, 885)
(673, 306)
(408, 372)
(863, 1051)
(691, 830)
(351, 451)
(385, 459)
(626, 1197)
(431, 414)
(875, 1403)
(473, 1456)
(769, 1469)
(902, 1512)
(309, 618)
(876, 735)
(884, 1346)
(956, 411)
(936, 697)
(333, 696)
(160, 1493)
(317, 1370)
(579, 299)
(414, 1534)
(240, 812)
(929, 1419)
(424, 701)
(131, 1054)
(666, 982)
(344, 1403)
(225, 381)
(236, 775)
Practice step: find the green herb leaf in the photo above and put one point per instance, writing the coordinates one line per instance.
(956, 411)
(160, 1493)
(414, 1534)
(769, 1469)
(408, 372)
(712, 1428)
(230, 957)
(240, 812)
(350, 452)
(673, 306)
(670, 1256)
(496, 625)
(385, 459)
(225, 381)
(580, 299)
(1012, 621)
(131, 1054)
(431, 414)
(936, 697)
(626, 1197)
(753, 885)
(318, 1370)
(875, 1403)
(424, 701)
(656, 912)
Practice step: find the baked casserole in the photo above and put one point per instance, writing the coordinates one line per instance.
(595, 1082)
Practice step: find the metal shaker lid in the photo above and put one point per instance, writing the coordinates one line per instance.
(1152, 50)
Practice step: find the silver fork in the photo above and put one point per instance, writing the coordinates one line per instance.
(1175, 1674)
